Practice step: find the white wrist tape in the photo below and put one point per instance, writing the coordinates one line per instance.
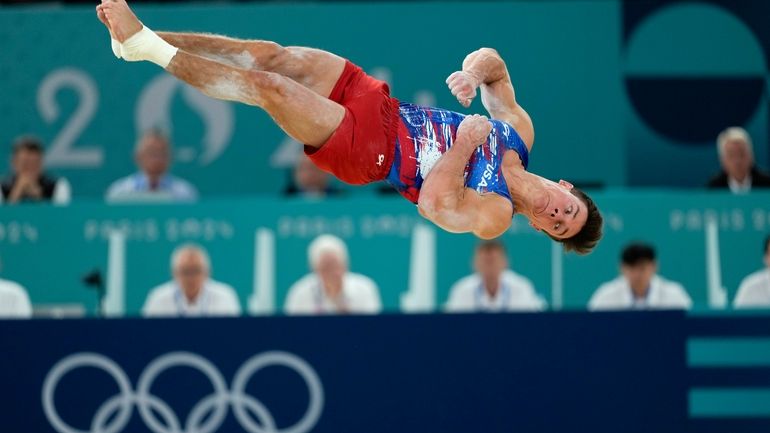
(146, 45)
(115, 47)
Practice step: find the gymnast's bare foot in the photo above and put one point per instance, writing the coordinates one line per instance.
(103, 18)
(120, 19)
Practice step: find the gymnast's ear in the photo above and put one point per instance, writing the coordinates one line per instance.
(566, 184)
(535, 227)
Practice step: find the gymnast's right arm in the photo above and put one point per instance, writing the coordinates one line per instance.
(444, 198)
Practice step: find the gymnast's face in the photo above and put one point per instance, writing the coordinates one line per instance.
(558, 212)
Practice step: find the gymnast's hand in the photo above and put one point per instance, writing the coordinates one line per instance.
(463, 86)
(473, 130)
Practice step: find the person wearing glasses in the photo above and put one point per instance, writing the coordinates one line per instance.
(191, 292)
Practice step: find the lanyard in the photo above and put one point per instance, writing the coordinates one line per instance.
(319, 296)
(504, 296)
(141, 183)
(203, 301)
(643, 302)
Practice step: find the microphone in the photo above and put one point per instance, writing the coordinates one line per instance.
(93, 280)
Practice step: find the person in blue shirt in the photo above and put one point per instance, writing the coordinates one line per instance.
(152, 182)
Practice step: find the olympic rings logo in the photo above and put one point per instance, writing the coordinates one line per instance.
(245, 407)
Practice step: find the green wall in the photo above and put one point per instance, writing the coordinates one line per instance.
(48, 249)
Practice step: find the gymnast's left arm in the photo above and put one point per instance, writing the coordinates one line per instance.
(485, 69)
(444, 198)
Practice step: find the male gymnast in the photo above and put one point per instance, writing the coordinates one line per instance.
(465, 173)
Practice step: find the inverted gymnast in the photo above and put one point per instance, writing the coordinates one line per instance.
(458, 169)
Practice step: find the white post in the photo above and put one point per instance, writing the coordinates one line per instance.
(262, 300)
(717, 295)
(557, 276)
(421, 296)
(115, 298)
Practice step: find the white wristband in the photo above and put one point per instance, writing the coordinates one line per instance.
(146, 45)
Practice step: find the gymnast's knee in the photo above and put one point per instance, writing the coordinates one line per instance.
(269, 54)
(268, 86)
(268, 82)
(293, 61)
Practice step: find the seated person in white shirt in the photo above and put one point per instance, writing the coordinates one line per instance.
(493, 287)
(14, 301)
(330, 288)
(191, 292)
(754, 291)
(153, 182)
(639, 286)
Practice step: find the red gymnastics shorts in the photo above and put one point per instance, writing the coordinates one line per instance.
(362, 148)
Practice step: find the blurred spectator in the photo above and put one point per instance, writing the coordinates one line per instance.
(493, 287)
(14, 301)
(309, 181)
(191, 292)
(754, 291)
(28, 182)
(331, 288)
(639, 286)
(152, 182)
(736, 156)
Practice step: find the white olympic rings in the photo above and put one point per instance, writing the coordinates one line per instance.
(214, 405)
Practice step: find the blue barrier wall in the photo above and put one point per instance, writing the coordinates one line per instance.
(598, 372)
(69, 242)
(455, 373)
